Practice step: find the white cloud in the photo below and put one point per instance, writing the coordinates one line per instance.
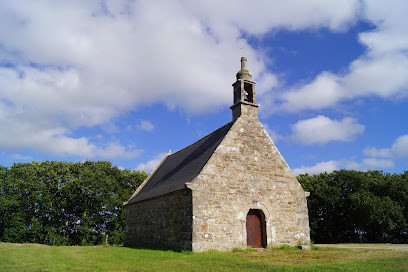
(375, 152)
(318, 168)
(77, 64)
(330, 166)
(400, 146)
(321, 130)
(152, 164)
(122, 44)
(146, 125)
(324, 91)
(41, 136)
(381, 71)
(368, 164)
(398, 149)
(82, 63)
(21, 157)
(384, 76)
(389, 17)
(267, 15)
(115, 150)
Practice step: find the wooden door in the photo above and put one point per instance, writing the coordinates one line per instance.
(254, 229)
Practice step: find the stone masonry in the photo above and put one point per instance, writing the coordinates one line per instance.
(239, 177)
(162, 222)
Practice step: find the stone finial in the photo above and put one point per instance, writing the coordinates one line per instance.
(243, 63)
(244, 73)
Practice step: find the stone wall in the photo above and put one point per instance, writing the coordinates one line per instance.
(164, 221)
(247, 172)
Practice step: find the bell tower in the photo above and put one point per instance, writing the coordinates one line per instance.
(244, 95)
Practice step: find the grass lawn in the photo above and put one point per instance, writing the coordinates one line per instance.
(31, 257)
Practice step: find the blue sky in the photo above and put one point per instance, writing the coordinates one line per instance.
(126, 81)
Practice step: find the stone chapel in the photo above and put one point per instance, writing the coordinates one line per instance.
(230, 189)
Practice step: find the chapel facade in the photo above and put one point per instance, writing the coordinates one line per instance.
(230, 189)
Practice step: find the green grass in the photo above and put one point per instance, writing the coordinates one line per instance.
(29, 257)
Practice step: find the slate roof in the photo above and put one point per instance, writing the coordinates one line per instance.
(181, 167)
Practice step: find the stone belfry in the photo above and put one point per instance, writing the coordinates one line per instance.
(244, 94)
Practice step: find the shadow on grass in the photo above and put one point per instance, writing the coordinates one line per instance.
(158, 248)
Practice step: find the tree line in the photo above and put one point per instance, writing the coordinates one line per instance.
(65, 203)
(353, 206)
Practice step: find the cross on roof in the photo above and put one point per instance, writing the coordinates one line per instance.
(243, 50)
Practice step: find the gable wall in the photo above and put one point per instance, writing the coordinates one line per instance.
(164, 221)
(247, 172)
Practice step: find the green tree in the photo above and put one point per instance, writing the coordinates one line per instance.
(354, 206)
(64, 203)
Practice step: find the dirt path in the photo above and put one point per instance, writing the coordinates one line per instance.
(399, 247)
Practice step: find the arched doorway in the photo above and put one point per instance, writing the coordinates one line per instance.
(256, 230)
